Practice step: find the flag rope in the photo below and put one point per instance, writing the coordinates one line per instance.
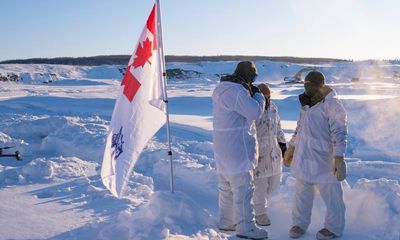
(164, 79)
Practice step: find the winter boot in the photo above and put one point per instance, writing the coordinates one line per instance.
(254, 233)
(324, 234)
(263, 220)
(296, 232)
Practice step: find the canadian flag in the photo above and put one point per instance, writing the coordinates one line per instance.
(139, 110)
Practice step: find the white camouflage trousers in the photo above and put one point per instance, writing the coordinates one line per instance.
(263, 187)
(235, 206)
(332, 195)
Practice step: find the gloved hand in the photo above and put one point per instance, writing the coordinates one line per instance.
(251, 88)
(288, 157)
(340, 168)
(254, 89)
(282, 147)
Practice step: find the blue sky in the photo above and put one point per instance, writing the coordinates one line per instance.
(351, 29)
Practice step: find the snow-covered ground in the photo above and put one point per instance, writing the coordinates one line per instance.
(55, 192)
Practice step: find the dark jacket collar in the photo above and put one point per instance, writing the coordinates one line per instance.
(319, 97)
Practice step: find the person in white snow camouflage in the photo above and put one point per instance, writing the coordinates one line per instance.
(317, 150)
(271, 145)
(236, 106)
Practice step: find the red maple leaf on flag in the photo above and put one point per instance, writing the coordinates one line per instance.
(143, 54)
(131, 84)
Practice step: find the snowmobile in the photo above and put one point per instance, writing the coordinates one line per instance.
(297, 77)
(16, 154)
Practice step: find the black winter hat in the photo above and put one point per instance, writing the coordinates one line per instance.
(247, 70)
(316, 78)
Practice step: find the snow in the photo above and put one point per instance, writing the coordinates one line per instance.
(59, 127)
(162, 212)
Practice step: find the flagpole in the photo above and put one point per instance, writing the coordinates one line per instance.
(164, 78)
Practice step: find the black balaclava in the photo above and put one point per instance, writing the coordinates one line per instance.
(313, 83)
(315, 89)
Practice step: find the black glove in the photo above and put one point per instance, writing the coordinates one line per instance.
(251, 88)
(283, 148)
(254, 90)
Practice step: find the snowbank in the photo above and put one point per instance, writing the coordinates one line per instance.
(56, 136)
(41, 170)
(373, 209)
(163, 214)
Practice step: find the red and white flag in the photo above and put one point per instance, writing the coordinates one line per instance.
(139, 110)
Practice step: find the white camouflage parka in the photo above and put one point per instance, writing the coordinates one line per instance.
(269, 133)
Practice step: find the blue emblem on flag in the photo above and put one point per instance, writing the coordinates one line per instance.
(117, 143)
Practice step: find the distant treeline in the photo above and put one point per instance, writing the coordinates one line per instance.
(123, 60)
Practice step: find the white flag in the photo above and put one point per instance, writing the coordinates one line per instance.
(139, 110)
